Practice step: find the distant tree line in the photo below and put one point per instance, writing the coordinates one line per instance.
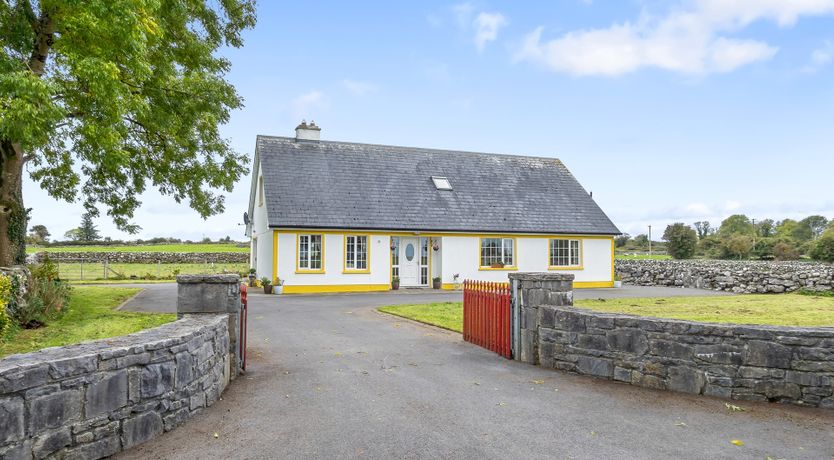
(87, 233)
(739, 237)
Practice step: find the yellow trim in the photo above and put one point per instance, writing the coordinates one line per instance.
(450, 286)
(274, 255)
(581, 265)
(440, 234)
(613, 276)
(305, 271)
(351, 271)
(330, 288)
(592, 284)
(430, 277)
(506, 267)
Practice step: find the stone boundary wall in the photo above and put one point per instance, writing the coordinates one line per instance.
(725, 275)
(760, 363)
(145, 257)
(95, 399)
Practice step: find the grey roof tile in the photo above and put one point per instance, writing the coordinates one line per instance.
(345, 185)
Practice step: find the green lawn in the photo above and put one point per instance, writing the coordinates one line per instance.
(196, 247)
(775, 309)
(642, 257)
(90, 315)
(95, 270)
(448, 315)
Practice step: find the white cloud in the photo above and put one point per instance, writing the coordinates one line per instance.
(731, 206)
(305, 105)
(697, 209)
(688, 40)
(486, 28)
(358, 88)
(482, 24)
(820, 57)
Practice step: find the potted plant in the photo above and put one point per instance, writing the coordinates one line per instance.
(618, 283)
(435, 282)
(267, 284)
(395, 283)
(252, 277)
(279, 286)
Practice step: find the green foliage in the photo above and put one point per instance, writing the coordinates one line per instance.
(642, 240)
(763, 249)
(737, 224)
(46, 297)
(88, 231)
(5, 295)
(810, 292)
(682, 241)
(107, 98)
(785, 250)
(823, 248)
(736, 247)
(815, 224)
(790, 229)
(703, 229)
(266, 281)
(766, 228)
(620, 241)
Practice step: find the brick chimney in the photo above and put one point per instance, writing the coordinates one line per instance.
(307, 132)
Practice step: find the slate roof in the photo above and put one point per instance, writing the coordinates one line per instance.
(342, 185)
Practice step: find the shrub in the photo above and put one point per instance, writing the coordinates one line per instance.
(784, 250)
(763, 249)
(46, 298)
(682, 241)
(823, 248)
(5, 295)
(736, 247)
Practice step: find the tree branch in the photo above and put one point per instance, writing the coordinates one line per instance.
(44, 29)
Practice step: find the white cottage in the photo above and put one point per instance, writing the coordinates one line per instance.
(330, 216)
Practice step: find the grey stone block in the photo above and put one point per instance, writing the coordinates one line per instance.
(767, 354)
(669, 349)
(68, 367)
(54, 410)
(685, 379)
(622, 374)
(17, 451)
(50, 442)
(141, 428)
(595, 366)
(107, 394)
(628, 340)
(98, 449)
(12, 417)
(157, 379)
(185, 365)
(719, 354)
(21, 379)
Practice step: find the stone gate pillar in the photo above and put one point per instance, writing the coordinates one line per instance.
(213, 294)
(528, 291)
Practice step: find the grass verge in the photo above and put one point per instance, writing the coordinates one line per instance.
(196, 247)
(448, 315)
(90, 315)
(773, 310)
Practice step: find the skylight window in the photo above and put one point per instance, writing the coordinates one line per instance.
(441, 183)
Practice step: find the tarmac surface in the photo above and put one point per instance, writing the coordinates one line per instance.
(330, 377)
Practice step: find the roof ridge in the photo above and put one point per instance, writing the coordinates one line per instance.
(365, 144)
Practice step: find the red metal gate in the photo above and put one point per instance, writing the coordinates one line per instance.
(244, 310)
(486, 316)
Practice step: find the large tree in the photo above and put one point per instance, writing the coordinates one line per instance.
(101, 99)
(88, 230)
(737, 224)
(682, 240)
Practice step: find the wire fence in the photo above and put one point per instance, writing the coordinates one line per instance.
(85, 269)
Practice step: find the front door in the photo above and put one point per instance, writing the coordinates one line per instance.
(409, 262)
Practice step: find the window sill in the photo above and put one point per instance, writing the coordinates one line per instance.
(309, 272)
(578, 267)
(506, 269)
(356, 272)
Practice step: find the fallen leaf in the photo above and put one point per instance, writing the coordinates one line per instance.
(537, 382)
(396, 324)
(501, 404)
(555, 389)
(737, 442)
(349, 312)
(338, 353)
(680, 424)
(593, 433)
(475, 383)
(216, 435)
(733, 407)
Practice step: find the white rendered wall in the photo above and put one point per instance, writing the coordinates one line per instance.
(261, 231)
(461, 255)
(379, 262)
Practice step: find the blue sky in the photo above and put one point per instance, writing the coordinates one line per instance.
(667, 111)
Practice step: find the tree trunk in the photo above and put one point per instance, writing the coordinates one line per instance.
(13, 216)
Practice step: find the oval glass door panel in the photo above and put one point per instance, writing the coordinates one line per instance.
(409, 252)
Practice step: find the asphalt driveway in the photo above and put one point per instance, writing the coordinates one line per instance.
(330, 377)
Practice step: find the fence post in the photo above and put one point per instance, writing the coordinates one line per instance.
(82, 269)
(532, 290)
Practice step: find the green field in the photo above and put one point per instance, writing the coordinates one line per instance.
(95, 270)
(90, 315)
(642, 257)
(773, 309)
(196, 247)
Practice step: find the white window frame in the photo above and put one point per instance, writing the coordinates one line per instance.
(353, 249)
(573, 253)
(304, 259)
(505, 243)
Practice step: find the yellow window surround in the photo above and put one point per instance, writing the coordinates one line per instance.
(298, 269)
(356, 271)
(512, 267)
(581, 265)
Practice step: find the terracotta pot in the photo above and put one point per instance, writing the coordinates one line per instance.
(268, 289)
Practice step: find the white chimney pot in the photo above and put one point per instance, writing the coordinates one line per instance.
(307, 132)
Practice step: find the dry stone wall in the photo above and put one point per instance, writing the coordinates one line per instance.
(779, 364)
(95, 399)
(732, 276)
(145, 257)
